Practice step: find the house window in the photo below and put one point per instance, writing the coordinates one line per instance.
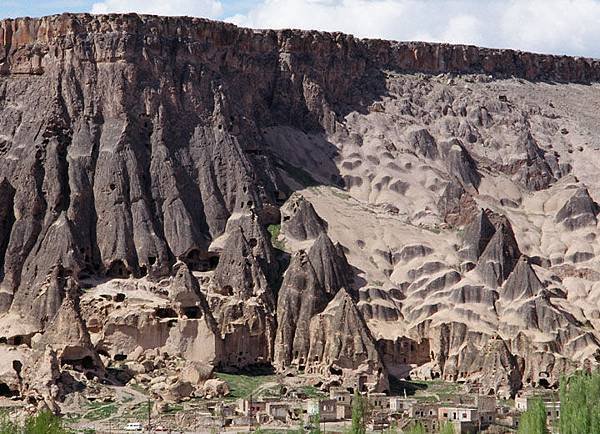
(445, 414)
(464, 415)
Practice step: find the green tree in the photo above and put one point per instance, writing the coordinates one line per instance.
(315, 423)
(580, 404)
(359, 414)
(417, 428)
(533, 421)
(7, 426)
(42, 423)
(447, 428)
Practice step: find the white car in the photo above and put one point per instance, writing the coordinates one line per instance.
(134, 426)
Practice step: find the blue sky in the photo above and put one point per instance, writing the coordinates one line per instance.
(20, 8)
(550, 26)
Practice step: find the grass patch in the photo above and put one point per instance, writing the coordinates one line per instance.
(101, 412)
(399, 387)
(312, 392)
(242, 386)
(340, 193)
(140, 411)
(275, 230)
(174, 408)
(442, 389)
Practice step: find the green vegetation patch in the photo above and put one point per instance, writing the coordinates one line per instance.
(242, 386)
(340, 194)
(101, 412)
(313, 392)
(275, 230)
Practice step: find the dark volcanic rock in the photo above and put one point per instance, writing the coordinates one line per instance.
(499, 257)
(311, 281)
(130, 144)
(301, 221)
(522, 282)
(341, 341)
(476, 236)
(579, 211)
(423, 143)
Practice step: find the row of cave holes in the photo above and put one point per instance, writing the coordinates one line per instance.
(195, 260)
(192, 312)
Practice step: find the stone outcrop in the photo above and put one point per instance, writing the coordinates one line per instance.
(522, 283)
(311, 281)
(579, 211)
(340, 343)
(476, 236)
(300, 220)
(68, 336)
(499, 257)
(143, 158)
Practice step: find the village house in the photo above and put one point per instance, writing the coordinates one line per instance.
(552, 404)
(278, 411)
(326, 409)
(425, 413)
(378, 401)
(460, 414)
(401, 405)
(247, 407)
(422, 410)
(341, 395)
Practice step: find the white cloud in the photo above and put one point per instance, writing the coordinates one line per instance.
(199, 8)
(553, 26)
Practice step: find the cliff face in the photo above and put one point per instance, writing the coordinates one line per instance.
(129, 143)
(28, 44)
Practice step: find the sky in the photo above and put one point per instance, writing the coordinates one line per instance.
(549, 26)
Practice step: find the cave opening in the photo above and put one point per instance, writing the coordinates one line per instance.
(192, 312)
(85, 363)
(19, 340)
(118, 270)
(120, 357)
(165, 312)
(201, 261)
(6, 391)
(17, 366)
(335, 371)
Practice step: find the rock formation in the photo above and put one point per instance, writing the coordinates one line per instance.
(324, 205)
(311, 281)
(341, 341)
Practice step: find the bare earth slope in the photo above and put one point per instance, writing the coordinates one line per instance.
(431, 208)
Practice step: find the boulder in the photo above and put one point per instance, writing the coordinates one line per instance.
(215, 388)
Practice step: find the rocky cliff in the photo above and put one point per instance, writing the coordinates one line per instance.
(309, 201)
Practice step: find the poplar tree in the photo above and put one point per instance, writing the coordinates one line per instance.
(359, 414)
(533, 421)
(580, 404)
